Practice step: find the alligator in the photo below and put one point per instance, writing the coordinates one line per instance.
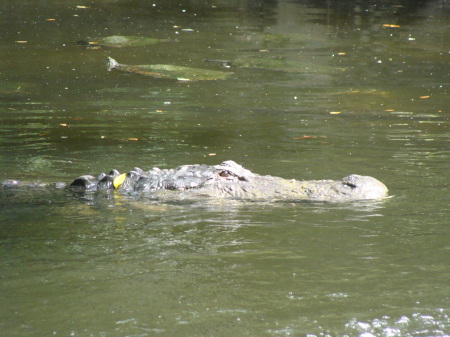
(229, 180)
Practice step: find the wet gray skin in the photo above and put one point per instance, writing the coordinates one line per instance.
(231, 180)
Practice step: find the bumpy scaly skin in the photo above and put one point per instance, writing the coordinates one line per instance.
(230, 180)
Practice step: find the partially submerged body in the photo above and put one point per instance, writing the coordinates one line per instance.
(230, 180)
(168, 71)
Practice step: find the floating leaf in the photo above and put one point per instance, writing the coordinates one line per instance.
(119, 180)
(308, 137)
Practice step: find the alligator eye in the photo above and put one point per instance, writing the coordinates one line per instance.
(224, 174)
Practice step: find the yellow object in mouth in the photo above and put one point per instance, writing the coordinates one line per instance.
(119, 180)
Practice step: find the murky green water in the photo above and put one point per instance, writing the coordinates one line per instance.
(318, 90)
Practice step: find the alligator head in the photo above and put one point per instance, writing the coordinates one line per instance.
(111, 63)
(230, 179)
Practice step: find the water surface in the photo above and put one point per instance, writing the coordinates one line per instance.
(318, 90)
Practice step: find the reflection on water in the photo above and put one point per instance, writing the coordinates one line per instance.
(319, 90)
(435, 324)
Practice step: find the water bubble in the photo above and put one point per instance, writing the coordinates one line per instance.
(366, 334)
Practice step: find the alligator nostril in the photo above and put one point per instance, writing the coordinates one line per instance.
(351, 185)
